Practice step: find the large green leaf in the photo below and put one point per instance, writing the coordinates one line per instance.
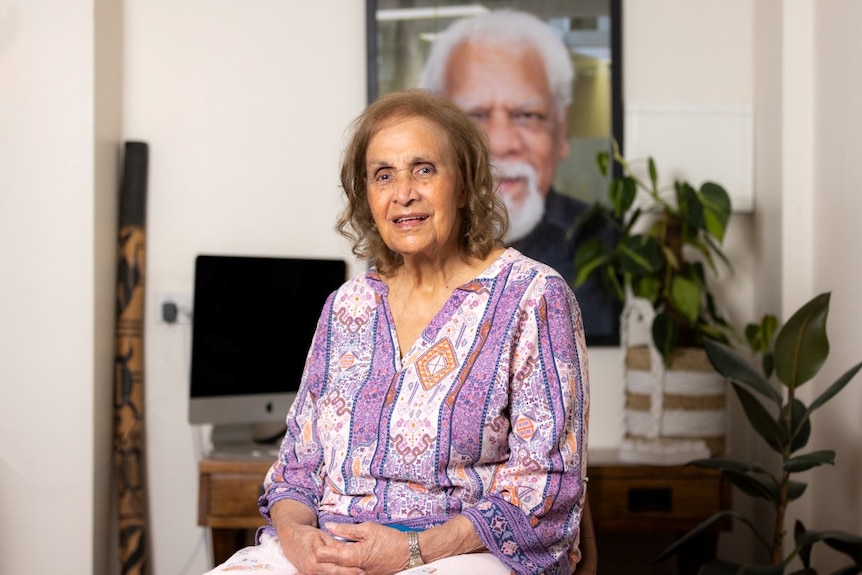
(801, 346)
(685, 296)
(804, 548)
(722, 464)
(800, 425)
(763, 485)
(691, 209)
(647, 287)
(846, 543)
(729, 363)
(622, 193)
(810, 460)
(842, 541)
(752, 485)
(591, 255)
(611, 282)
(795, 489)
(640, 255)
(634, 216)
(716, 209)
(761, 420)
(835, 387)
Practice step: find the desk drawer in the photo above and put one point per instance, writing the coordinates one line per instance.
(230, 499)
(667, 504)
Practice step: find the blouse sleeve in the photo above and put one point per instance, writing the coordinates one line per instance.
(298, 471)
(531, 514)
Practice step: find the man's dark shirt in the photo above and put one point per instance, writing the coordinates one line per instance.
(548, 243)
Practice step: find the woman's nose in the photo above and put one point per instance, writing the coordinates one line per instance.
(405, 188)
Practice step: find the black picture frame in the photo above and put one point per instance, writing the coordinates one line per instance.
(384, 74)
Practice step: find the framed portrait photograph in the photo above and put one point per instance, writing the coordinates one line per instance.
(542, 77)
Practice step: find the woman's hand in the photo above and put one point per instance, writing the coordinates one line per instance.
(301, 544)
(375, 549)
(300, 539)
(380, 550)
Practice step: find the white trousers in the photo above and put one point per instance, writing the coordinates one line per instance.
(267, 557)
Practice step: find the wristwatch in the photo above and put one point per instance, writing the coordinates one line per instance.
(413, 546)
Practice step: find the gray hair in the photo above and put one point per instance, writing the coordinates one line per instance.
(504, 27)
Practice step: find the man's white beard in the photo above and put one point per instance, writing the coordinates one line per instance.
(524, 217)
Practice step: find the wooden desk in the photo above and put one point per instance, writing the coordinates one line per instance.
(228, 489)
(624, 498)
(637, 499)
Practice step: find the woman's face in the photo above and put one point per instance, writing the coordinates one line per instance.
(413, 189)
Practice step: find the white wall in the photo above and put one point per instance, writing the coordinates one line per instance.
(806, 223)
(836, 494)
(244, 105)
(59, 121)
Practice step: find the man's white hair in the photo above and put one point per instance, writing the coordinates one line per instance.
(504, 27)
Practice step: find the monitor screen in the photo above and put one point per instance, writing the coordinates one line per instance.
(253, 321)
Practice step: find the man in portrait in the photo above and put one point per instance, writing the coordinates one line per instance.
(514, 75)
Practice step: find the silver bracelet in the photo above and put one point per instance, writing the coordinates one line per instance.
(413, 545)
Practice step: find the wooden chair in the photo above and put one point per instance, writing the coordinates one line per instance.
(589, 551)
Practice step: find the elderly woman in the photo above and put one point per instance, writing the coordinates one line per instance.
(442, 416)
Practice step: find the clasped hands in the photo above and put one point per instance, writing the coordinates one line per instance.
(373, 549)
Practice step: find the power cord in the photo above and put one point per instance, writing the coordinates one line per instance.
(197, 440)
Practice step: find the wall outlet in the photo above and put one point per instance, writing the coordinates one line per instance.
(174, 308)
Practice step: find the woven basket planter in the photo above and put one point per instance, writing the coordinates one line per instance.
(673, 413)
(692, 399)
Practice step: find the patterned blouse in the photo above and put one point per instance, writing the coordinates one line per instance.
(486, 415)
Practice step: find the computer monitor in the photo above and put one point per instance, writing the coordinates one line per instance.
(252, 324)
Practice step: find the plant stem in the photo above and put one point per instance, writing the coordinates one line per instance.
(780, 511)
(783, 489)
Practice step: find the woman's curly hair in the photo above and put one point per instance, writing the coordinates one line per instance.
(484, 220)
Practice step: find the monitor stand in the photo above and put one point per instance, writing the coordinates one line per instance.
(247, 438)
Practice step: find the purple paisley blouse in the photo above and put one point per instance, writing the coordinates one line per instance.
(486, 415)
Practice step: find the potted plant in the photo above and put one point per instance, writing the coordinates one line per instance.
(793, 356)
(667, 240)
(666, 235)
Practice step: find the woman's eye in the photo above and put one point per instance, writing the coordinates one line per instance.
(382, 177)
(424, 171)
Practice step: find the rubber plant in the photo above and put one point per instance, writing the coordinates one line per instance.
(793, 357)
(666, 238)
